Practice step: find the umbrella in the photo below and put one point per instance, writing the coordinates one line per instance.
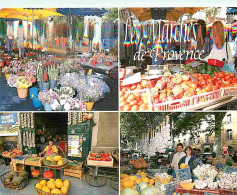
(231, 10)
(82, 11)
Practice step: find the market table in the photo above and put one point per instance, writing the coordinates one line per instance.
(228, 192)
(180, 190)
(101, 67)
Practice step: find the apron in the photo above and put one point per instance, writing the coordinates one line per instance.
(49, 152)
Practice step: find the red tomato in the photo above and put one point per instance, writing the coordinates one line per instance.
(194, 85)
(186, 77)
(202, 82)
(208, 88)
(122, 104)
(121, 99)
(127, 107)
(214, 88)
(134, 108)
(227, 77)
(134, 102)
(143, 107)
(131, 97)
(232, 74)
(121, 93)
(221, 74)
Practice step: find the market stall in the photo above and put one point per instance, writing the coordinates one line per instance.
(61, 148)
(169, 63)
(61, 48)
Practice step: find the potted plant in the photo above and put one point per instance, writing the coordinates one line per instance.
(89, 96)
(42, 78)
(23, 84)
(47, 98)
(8, 71)
(53, 72)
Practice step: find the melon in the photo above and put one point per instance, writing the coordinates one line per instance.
(43, 182)
(64, 190)
(38, 186)
(129, 191)
(57, 158)
(66, 183)
(45, 189)
(59, 184)
(143, 185)
(51, 185)
(153, 190)
(56, 191)
(60, 162)
(183, 166)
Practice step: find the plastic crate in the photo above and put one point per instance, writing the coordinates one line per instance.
(186, 102)
(231, 91)
(183, 174)
(167, 189)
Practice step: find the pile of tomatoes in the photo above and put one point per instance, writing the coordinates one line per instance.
(168, 88)
(100, 156)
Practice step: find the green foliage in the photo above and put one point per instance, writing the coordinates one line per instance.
(81, 30)
(111, 15)
(212, 11)
(91, 30)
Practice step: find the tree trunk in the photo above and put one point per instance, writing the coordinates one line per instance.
(219, 116)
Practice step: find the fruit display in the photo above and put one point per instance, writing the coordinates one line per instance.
(173, 87)
(54, 160)
(15, 152)
(52, 186)
(140, 164)
(163, 178)
(35, 173)
(100, 156)
(48, 174)
(14, 180)
(204, 68)
(140, 179)
(34, 161)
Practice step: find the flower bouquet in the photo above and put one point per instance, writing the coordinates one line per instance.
(8, 71)
(42, 78)
(23, 83)
(70, 104)
(47, 98)
(53, 73)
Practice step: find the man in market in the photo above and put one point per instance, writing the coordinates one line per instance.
(51, 148)
(176, 158)
(10, 37)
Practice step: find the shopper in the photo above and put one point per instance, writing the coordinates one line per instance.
(189, 159)
(51, 148)
(176, 158)
(10, 37)
(21, 37)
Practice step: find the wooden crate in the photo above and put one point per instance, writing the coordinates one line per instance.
(74, 173)
(18, 167)
(35, 163)
(100, 163)
(15, 160)
(79, 167)
(11, 166)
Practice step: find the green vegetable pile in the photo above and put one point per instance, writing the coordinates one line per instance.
(203, 69)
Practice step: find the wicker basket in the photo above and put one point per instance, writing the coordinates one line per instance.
(18, 186)
(40, 192)
(58, 166)
(163, 180)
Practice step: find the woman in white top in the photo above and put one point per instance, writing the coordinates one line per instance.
(21, 37)
(220, 50)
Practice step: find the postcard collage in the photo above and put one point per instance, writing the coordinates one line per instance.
(109, 101)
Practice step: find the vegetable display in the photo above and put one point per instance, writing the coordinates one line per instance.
(100, 156)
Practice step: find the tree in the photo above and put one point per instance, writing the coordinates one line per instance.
(134, 125)
(190, 122)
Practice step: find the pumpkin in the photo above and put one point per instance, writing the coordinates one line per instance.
(187, 186)
(183, 166)
(35, 173)
(48, 174)
(129, 191)
(128, 184)
(133, 178)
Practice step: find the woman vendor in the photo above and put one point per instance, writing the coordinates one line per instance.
(189, 159)
(51, 148)
(221, 50)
